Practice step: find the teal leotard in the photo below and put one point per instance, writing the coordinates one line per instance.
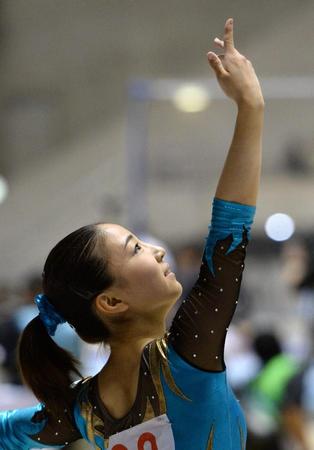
(183, 385)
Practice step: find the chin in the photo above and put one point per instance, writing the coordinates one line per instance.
(179, 292)
(181, 287)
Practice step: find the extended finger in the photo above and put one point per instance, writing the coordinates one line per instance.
(228, 36)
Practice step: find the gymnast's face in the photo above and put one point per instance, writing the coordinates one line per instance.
(141, 281)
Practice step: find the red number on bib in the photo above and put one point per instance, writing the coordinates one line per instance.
(147, 437)
(119, 447)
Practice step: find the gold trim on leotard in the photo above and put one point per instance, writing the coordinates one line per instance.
(210, 442)
(163, 347)
(149, 411)
(242, 438)
(154, 364)
(91, 419)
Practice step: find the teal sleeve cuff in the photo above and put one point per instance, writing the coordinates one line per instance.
(228, 218)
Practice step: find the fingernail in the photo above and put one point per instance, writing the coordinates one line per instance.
(210, 56)
(231, 21)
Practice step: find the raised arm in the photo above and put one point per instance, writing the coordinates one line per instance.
(199, 328)
(239, 180)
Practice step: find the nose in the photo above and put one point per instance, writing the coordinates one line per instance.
(159, 253)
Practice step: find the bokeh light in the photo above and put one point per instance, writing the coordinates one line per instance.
(279, 227)
(191, 98)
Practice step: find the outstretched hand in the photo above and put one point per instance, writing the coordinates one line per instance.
(234, 72)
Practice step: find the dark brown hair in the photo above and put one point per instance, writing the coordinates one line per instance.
(75, 272)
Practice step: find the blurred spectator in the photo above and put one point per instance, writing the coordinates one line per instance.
(9, 334)
(263, 397)
(5, 306)
(306, 294)
(297, 157)
(242, 362)
(8, 339)
(294, 260)
(298, 406)
(298, 402)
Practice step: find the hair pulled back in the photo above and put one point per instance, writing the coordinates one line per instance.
(75, 272)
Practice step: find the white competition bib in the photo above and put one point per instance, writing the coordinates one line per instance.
(154, 434)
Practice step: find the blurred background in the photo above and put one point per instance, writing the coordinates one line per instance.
(110, 112)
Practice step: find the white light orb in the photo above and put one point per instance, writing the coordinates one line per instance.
(191, 98)
(279, 227)
(4, 189)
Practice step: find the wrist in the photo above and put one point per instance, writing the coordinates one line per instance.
(257, 104)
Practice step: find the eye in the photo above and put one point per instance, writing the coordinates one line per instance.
(137, 247)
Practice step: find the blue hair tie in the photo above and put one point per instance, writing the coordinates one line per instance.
(48, 314)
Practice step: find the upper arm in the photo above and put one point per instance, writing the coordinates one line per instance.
(199, 328)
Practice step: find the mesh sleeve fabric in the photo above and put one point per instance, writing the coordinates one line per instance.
(199, 328)
(33, 427)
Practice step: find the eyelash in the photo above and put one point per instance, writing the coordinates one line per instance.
(136, 245)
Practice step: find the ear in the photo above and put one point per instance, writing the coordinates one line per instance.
(107, 304)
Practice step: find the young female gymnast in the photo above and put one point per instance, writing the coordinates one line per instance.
(160, 389)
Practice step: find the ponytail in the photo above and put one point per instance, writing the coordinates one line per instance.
(75, 272)
(45, 367)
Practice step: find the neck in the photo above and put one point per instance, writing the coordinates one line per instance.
(136, 333)
(124, 361)
(127, 342)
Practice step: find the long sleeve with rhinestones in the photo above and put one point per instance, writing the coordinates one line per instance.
(199, 328)
(34, 427)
